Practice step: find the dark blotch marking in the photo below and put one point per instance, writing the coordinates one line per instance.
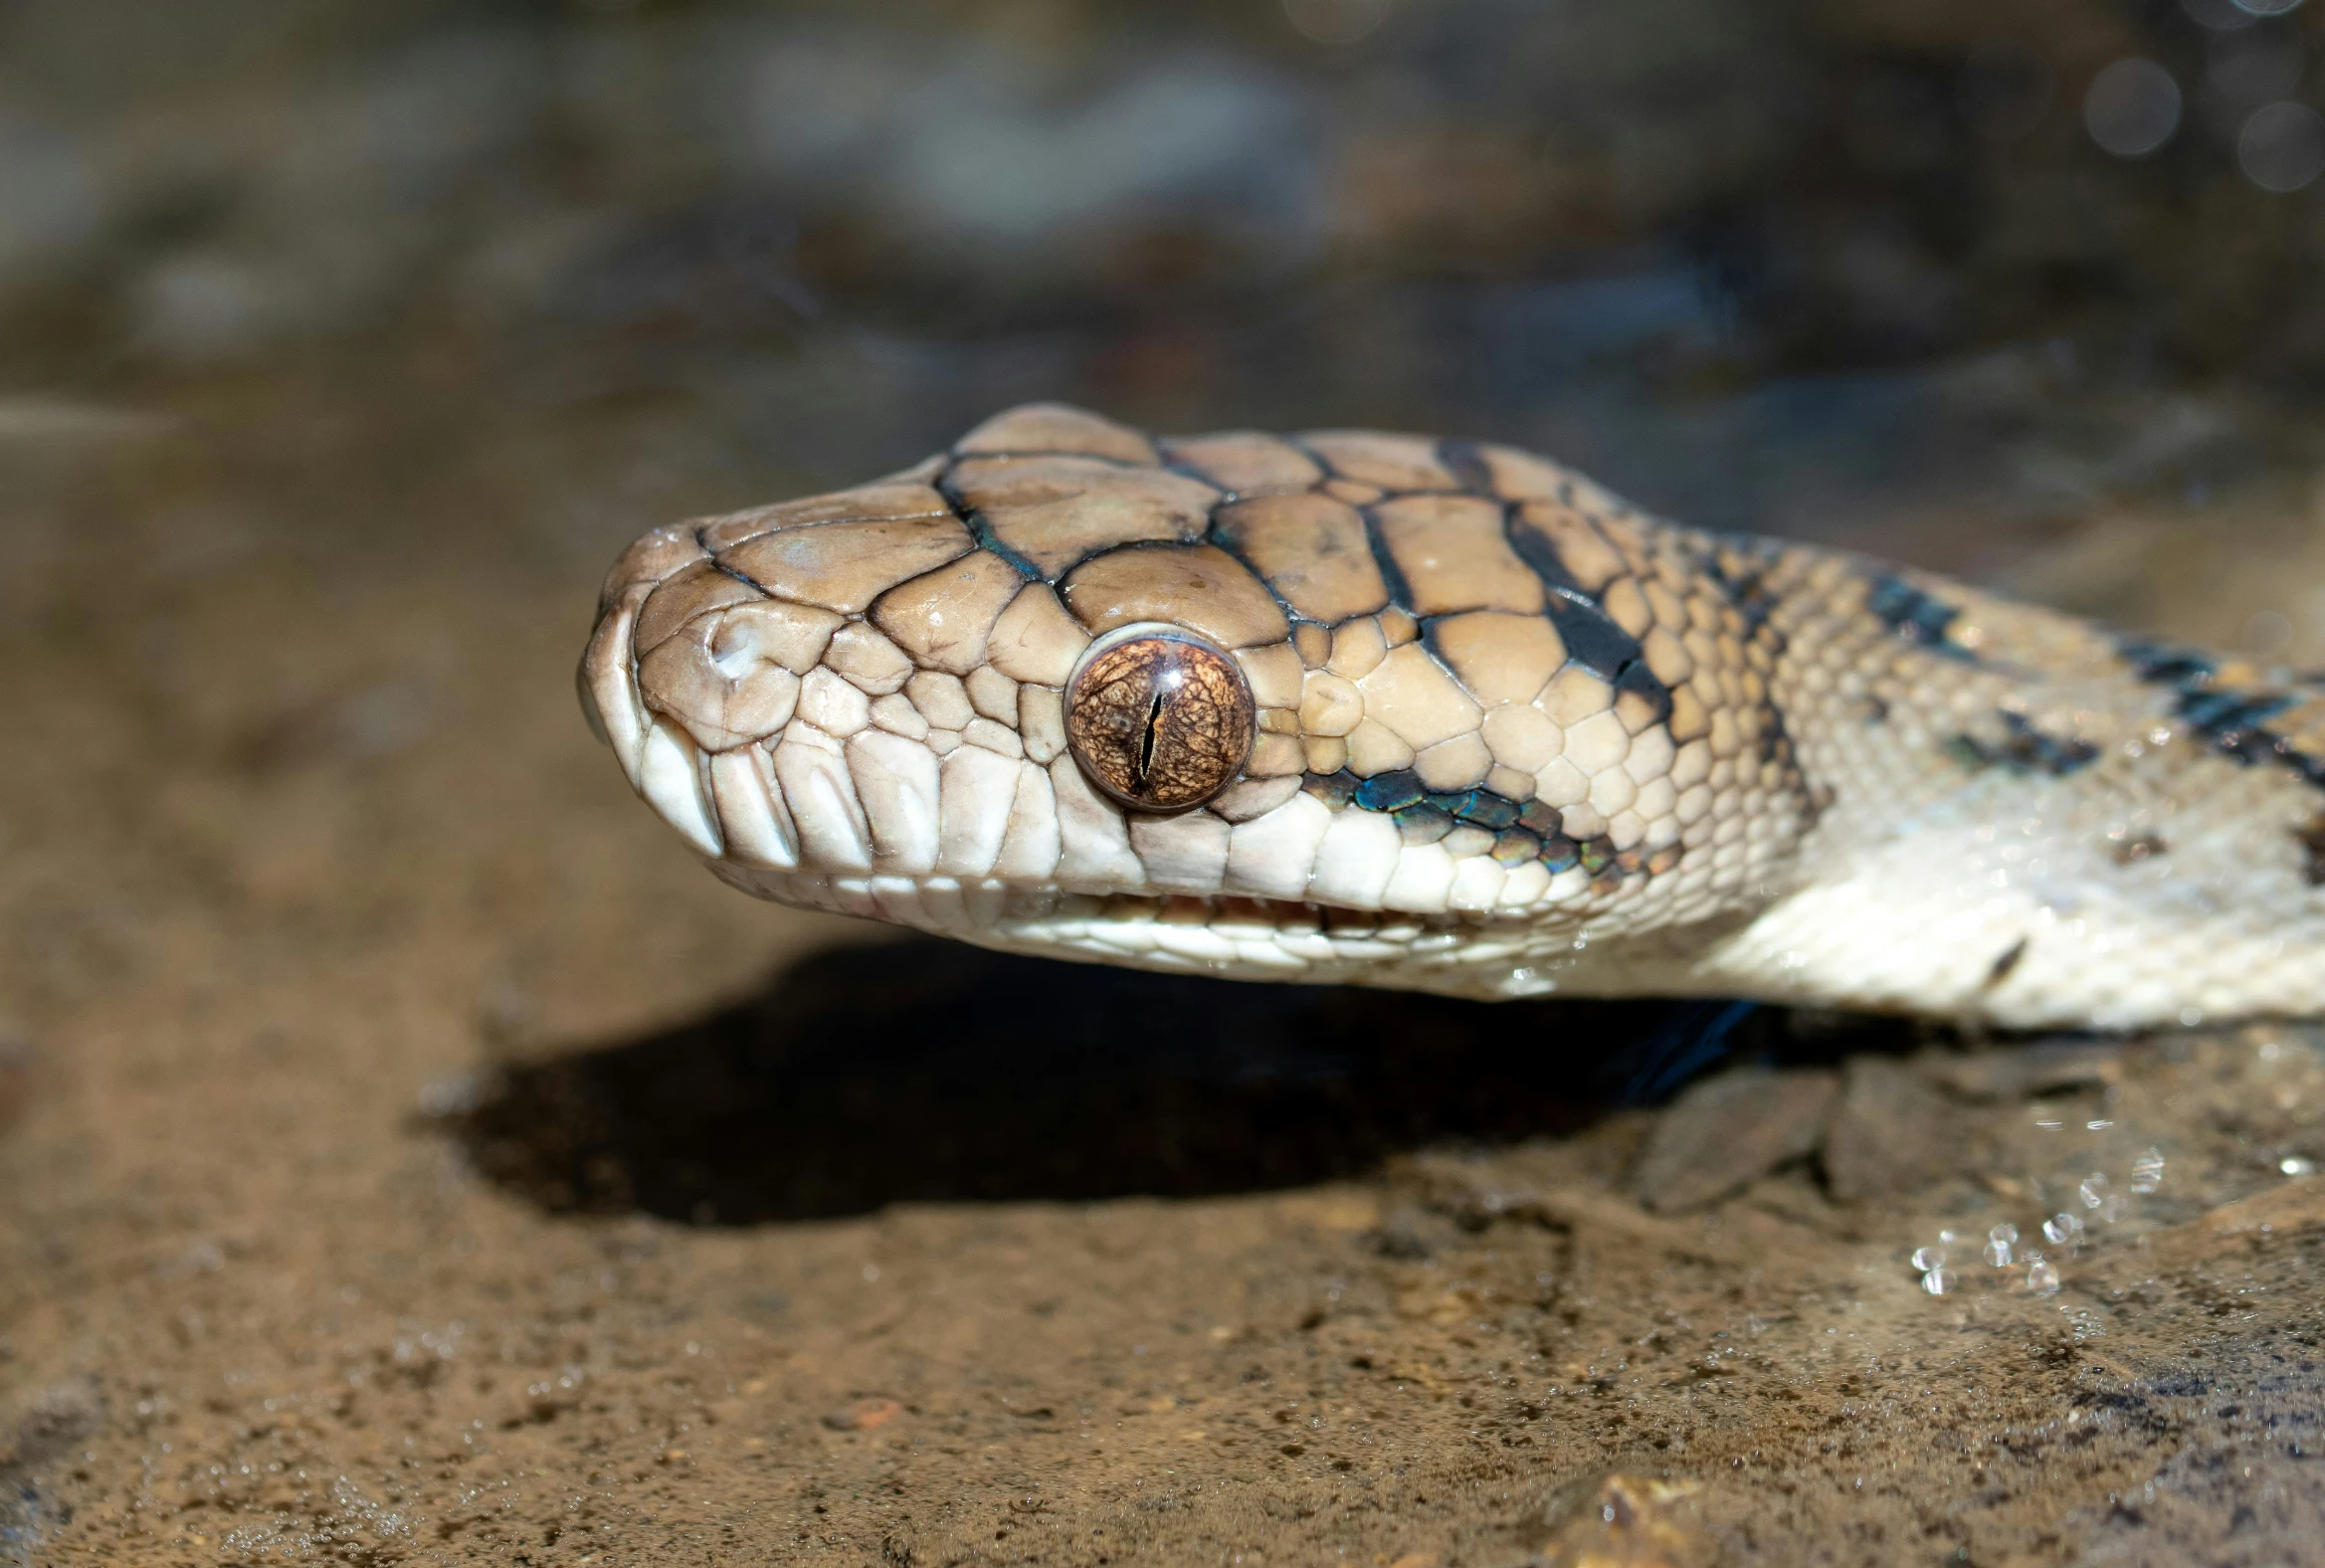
(2134, 848)
(1480, 808)
(1391, 791)
(1333, 789)
(2234, 721)
(1639, 681)
(2002, 965)
(1542, 557)
(1469, 469)
(1592, 638)
(2161, 664)
(2027, 749)
(1523, 830)
(1515, 846)
(981, 530)
(1392, 575)
(1740, 567)
(2310, 836)
(1422, 824)
(1916, 615)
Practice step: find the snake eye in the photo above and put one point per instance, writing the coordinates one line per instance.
(1159, 718)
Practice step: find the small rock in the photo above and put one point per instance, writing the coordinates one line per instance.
(48, 1423)
(1630, 1521)
(1726, 1132)
(1892, 1132)
(2045, 1066)
(865, 1414)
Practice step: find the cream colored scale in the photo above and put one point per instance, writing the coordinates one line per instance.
(1397, 711)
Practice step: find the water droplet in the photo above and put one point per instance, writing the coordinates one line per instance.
(2101, 1125)
(1937, 1282)
(2093, 1191)
(2294, 1165)
(1998, 1252)
(2041, 1278)
(2147, 1172)
(2063, 1229)
(2003, 1233)
(1928, 1258)
(2114, 1208)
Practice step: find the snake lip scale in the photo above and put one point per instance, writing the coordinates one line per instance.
(1387, 709)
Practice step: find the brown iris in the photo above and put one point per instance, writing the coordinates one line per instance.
(1159, 719)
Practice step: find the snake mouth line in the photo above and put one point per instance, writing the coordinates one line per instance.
(1215, 909)
(947, 903)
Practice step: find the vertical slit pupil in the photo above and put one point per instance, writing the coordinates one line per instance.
(1145, 764)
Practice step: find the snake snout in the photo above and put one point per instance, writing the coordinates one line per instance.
(846, 687)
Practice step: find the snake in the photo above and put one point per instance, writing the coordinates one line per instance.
(1361, 707)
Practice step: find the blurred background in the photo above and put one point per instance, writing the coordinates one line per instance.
(1760, 263)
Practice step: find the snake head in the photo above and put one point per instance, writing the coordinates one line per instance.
(1268, 706)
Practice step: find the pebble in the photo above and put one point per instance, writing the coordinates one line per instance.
(1726, 1132)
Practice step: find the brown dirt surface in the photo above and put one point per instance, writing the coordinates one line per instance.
(408, 1156)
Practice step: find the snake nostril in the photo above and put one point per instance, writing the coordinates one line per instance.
(1158, 718)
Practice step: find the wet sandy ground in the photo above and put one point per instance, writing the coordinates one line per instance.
(408, 1156)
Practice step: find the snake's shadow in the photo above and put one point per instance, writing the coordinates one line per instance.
(930, 1072)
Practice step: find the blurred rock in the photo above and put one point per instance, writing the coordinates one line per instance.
(2008, 1073)
(1891, 1132)
(1633, 1521)
(1726, 1132)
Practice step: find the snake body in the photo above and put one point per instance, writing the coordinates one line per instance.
(1503, 735)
